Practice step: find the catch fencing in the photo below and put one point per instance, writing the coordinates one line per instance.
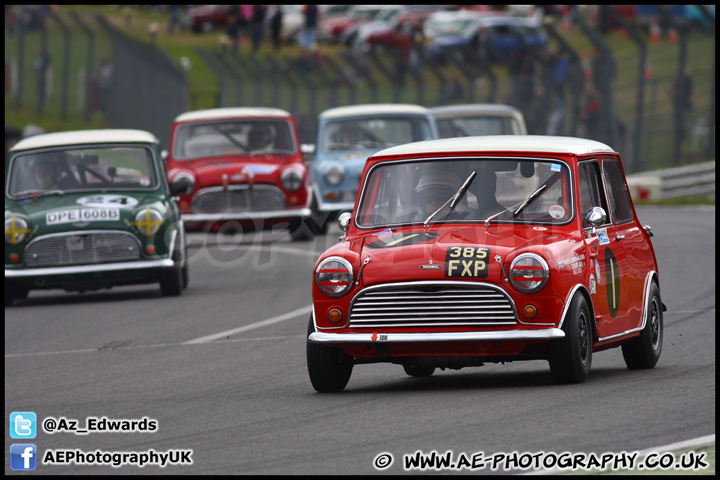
(660, 116)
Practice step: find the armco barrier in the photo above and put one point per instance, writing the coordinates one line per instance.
(696, 180)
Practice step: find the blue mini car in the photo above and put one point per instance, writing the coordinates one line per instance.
(347, 136)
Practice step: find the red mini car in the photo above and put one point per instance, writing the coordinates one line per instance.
(470, 250)
(242, 168)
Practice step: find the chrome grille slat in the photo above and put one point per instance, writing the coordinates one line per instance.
(238, 200)
(92, 247)
(431, 304)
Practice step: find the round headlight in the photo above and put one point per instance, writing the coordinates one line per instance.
(148, 221)
(334, 276)
(529, 272)
(291, 179)
(16, 230)
(183, 183)
(334, 174)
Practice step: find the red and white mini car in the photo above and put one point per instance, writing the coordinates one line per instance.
(470, 250)
(242, 167)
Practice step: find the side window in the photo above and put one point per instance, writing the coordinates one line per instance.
(591, 192)
(620, 210)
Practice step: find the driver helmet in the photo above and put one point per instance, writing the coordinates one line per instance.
(45, 171)
(260, 136)
(437, 186)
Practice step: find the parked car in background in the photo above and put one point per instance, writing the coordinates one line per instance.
(206, 18)
(465, 251)
(89, 210)
(504, 35)
(242, 168)
(381, 32)
(347, 136)
(467, 120)
(333, 30)
(292, 22)
(449, 23)
(333, 11)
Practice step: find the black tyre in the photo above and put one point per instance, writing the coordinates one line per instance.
(644, 350)
(419, 370)
(571, 357)
(299, 231)
(185, 271)
(329, 367)
(171, 279)
(9, 295)
(319, 222)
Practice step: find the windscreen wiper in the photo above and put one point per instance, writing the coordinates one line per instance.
(454, 199)
(37, 193)
(521, 205)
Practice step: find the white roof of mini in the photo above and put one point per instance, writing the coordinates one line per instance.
(231, 112)
(81, 137)
(373, 109)
(468, 109)
(500, 143)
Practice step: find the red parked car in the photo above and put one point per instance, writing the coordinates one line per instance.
(464, 251)
(242, 167)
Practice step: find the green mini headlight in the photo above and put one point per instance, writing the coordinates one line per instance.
(148, 221)
(16, 230)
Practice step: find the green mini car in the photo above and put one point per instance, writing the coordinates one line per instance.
(89, 210)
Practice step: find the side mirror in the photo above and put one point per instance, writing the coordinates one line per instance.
(182, 185)
(308, 151)
(344, 221)
(596, 217)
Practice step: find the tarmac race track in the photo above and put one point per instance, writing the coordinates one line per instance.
(220, 373)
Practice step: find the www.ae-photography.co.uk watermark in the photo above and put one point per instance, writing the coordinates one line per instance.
(525, 461)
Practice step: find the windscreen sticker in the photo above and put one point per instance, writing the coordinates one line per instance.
(83, 215)
(107, 200)
(467, 262)
(555, 167)
(556, 211)
(262, 169)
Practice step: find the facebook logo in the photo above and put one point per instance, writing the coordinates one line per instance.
(23, 456)
(23, 425)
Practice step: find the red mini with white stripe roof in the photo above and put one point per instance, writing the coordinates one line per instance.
(464, 251)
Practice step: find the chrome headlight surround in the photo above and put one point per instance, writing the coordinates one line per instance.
(16, 230)
(334, 276)
(190, 178)
(334, 174)
(291, 179)
(529, 272)
(147, 221)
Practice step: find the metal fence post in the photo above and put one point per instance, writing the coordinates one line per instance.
(635, 162)
(575, 76)
(90, 61)
(66, 64)
(218, 71)
(360, 65)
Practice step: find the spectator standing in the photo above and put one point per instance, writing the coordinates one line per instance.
(561, 72)
(257, 25)
(276, 19)
(403, 41)
(233, 32)
(309, 32)
(174, 18)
